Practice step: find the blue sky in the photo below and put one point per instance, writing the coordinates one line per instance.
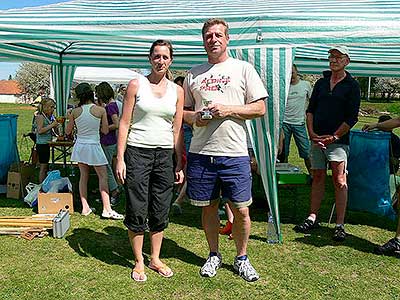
(9, 68)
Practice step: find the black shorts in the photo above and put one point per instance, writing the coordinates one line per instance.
(149, 187)
(43, 151)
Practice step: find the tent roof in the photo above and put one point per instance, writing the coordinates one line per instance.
(110, 75)
(119, 33)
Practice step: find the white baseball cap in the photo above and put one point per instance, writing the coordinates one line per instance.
(342, 49)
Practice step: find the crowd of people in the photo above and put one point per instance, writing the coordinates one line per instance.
(192, 132)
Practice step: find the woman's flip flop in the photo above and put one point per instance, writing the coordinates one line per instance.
(138, 275)
(162, 270)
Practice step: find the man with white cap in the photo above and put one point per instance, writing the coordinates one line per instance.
(331, 113)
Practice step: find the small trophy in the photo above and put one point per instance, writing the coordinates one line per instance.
(205, 113)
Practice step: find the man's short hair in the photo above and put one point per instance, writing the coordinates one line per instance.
(212, 22)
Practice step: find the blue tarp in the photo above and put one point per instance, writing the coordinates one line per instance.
(8, 142)
(368, 168)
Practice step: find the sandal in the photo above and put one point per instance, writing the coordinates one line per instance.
(91, 210)
(162, 270)
(112, 215)
(138, 275)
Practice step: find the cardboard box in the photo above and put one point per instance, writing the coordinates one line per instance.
(14, 185)
(26, 174)
(51, 203)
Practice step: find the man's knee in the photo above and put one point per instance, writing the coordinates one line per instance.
(340, 182)
(241, 213)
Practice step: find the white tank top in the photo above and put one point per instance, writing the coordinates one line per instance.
(88, 126)
(153, 117)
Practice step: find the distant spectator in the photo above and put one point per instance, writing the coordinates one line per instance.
(331, 113)
(394, 147)
(42, 94)
(295, 115)
(187, 137)
(120, 98)
(89, 120)
(391, 247)
(46, 123)
(179, 80)
(105, 97)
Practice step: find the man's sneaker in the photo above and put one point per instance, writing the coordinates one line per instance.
(245, 270)
(339, 235)
(392, 247)
(306, 226)
(209, 269)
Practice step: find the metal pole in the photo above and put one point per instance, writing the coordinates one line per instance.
(369, 88)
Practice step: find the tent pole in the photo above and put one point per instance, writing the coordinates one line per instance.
(62, 110)
(369, 88)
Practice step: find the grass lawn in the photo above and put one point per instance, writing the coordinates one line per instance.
(94, 260)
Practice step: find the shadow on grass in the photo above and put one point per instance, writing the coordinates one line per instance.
(322, 237)
(191, 216)
(12, 203)
(112, 247)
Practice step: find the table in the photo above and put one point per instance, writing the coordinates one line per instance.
(65, 148)
(291, 177)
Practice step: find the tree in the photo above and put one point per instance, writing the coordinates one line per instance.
(32, 76)
(388, 87)
(10, 77)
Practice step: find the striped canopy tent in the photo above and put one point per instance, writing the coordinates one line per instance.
(266, 33)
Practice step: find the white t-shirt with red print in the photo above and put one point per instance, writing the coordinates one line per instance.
(232, 82)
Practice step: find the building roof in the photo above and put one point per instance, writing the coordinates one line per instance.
(10, 87)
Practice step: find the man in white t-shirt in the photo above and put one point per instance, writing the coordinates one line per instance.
(294, 120)
(219, 96)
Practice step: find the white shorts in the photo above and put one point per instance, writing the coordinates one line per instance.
(333, 152)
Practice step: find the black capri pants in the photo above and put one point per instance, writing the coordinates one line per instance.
(43, 151)
(149, 187)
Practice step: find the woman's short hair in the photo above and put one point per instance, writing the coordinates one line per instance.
(104, 92)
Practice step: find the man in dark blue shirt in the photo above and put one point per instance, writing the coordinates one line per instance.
(332, 112)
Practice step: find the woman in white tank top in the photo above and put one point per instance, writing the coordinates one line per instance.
(152, 113)
(87, 150)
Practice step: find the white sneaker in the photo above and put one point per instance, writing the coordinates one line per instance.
(245, 270)
(212, 264)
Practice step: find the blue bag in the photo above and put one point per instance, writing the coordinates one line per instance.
(51, 176)
(368, 178)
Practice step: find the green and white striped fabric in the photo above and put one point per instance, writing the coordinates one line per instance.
(62, 77)
(265, 131)
(264, 32)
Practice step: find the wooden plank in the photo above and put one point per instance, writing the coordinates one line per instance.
(28, 224)
(34, 217)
